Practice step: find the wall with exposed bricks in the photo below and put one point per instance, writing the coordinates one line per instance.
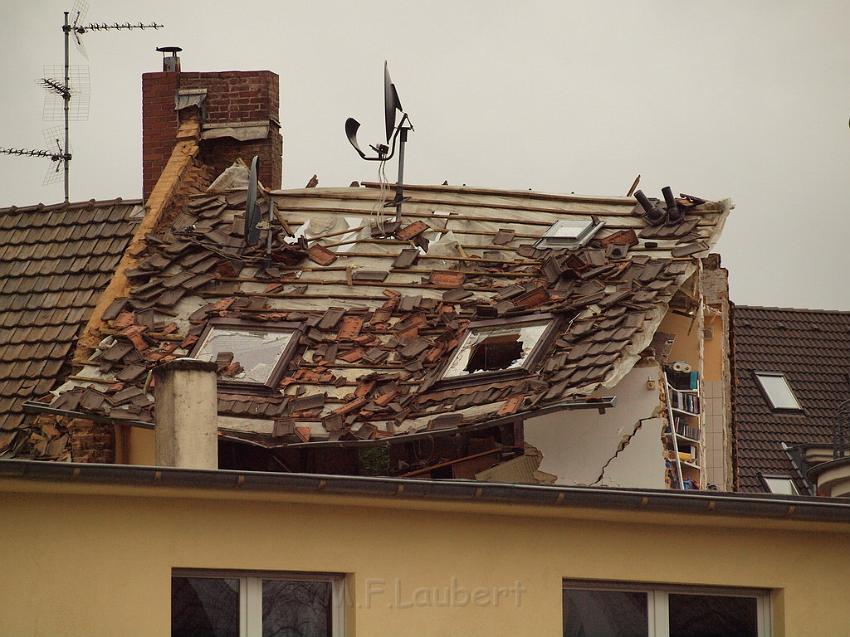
(232, 96)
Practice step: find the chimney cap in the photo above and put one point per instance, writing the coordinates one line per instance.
(169, 49)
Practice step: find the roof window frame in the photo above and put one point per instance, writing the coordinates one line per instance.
(782, 410)
(277, 372)
(550, 239)
(764, 477)
(531, 362)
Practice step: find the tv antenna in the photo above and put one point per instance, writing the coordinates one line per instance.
(395, 132)
(69, 90)
(56, 156)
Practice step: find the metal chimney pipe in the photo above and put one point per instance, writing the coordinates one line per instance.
(186, 414)
(674, 213)
(170, 63)
(652, 214)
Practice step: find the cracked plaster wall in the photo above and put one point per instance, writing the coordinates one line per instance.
(577, 445)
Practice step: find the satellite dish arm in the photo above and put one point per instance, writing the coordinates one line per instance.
(352, 125)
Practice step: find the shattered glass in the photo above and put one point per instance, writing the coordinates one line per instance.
(528, 336)
(256, 351)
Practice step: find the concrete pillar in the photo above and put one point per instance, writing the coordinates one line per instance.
(186, 414)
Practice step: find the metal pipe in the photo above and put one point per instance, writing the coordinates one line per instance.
(41, 408)
(399, 186)
(674, 213)
(652, 214)
(601, 404)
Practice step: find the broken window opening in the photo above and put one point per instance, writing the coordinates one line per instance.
(498, 348)
(495, 352)
(246, 354)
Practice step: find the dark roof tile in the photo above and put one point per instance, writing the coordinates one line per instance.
(52, 261)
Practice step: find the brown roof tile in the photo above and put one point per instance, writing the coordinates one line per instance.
(812, 349)
(53, 269)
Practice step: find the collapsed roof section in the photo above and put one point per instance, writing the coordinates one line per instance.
(378, 311)
(54, 263)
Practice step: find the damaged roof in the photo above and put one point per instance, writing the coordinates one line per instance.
(54, 262)
(811, 348)
(381, 307)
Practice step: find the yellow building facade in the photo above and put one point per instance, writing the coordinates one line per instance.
(91, 550)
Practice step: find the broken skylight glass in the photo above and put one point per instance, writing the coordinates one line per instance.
(570, 233)
(498, 348)
(255, 352)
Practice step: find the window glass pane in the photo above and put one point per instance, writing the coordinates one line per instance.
(296, 609)
(785, 486)
(204, 607)
(713, 616)
(256, 351)
(605, 614)
(778, 391)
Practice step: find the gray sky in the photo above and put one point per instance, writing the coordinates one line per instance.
(748, 100)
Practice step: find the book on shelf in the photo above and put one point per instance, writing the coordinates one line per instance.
(686, 430)
(683, 380)
(684, 402)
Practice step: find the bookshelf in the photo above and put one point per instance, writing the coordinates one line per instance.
(683, 435)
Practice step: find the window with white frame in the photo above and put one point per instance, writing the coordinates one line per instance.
(780, 484)
(248, 354)
(778, 391)
(600, 609)
(499, 346)
(255, 604)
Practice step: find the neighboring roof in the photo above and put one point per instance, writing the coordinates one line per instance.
(697, 505)
(54, 261)
(812, 349)
(381, 317)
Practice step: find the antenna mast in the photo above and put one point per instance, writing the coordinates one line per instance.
(385, 152)
(65, 91)
(73, 83)
(66, 96)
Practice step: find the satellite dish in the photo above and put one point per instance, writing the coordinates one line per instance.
(252, 206)
(395, 133)
(351, 128)
(391, 102)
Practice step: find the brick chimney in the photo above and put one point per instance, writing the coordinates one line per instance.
(239, 111)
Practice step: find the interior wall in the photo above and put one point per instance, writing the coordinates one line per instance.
(577, 445)
(688, 343)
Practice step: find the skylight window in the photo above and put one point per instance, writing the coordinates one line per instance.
(781, 485)
(570, 233)
(497, 348)
(777, 391)
(247, 354)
